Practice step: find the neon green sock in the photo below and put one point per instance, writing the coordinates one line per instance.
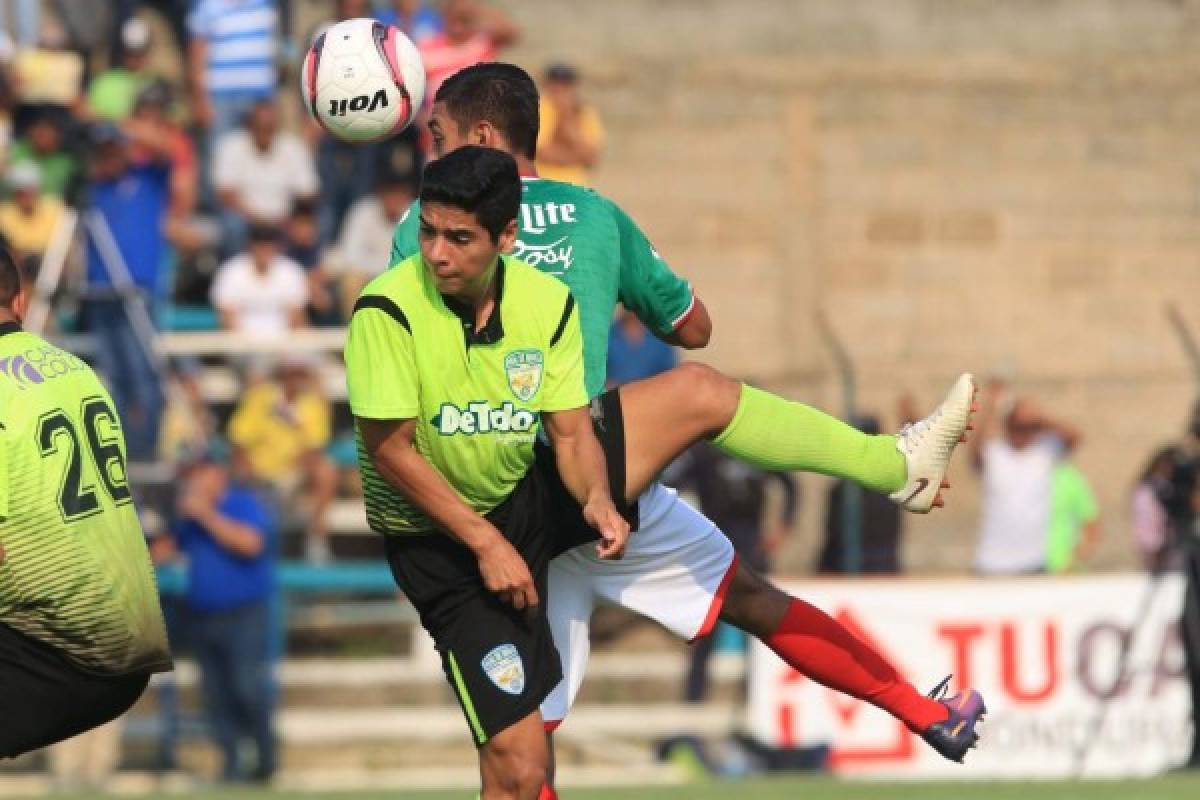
(776, 434)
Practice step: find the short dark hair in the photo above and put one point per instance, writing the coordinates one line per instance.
(10, 277)
(481, 180)
(305, 207)
(501, 94)
(263, 232)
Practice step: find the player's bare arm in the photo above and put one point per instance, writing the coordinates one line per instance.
(584, 472)
(695, 331)
(389, 443)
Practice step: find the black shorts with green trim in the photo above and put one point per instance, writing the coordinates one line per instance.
(501, 662)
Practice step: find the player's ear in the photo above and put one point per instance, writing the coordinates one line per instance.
(485, 135)
(20, 302)
(508, 237)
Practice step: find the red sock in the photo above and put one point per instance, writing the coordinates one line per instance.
(548, 793)
(815, 645)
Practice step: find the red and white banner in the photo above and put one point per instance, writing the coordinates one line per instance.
(1043, 651)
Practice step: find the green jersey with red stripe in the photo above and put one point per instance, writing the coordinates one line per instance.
(586, 241)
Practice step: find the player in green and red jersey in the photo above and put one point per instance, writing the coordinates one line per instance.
(81, 630)
(590, 244)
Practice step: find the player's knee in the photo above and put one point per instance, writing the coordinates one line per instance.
(714, 394)
(531, 776)
(515, 773)
(518, 775)
(753, 604)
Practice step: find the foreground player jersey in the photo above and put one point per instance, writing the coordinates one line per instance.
(477, 396)
(76, 575)
(587, 242)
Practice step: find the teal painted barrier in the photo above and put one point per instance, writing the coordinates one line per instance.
(298, 578)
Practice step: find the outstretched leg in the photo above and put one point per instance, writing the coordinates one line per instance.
(816, 645)
(665, 414)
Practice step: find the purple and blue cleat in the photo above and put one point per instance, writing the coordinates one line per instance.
(956, 734)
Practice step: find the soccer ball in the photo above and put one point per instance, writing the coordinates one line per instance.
(363, 81)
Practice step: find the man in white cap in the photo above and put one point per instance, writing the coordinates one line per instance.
(28, 219)
(112, 94)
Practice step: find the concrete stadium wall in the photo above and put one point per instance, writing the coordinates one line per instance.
(1007, 187)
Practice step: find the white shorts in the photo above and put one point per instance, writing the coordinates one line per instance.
(675, 571)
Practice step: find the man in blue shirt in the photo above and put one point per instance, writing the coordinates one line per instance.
(634, 353)
(126, 209)
(228, 535)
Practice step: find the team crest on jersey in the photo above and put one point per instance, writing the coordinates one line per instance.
(503, 665)
(524, 371)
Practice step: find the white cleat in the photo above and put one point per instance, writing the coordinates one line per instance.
(929, 443)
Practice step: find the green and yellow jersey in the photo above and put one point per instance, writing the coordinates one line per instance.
(590, 244)
(77, 575)
(477, 396)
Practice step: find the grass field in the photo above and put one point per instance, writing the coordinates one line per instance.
(1169, 788)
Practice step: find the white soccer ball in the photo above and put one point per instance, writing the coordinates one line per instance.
(363, 81)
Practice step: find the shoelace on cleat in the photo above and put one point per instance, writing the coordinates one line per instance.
(941, 690)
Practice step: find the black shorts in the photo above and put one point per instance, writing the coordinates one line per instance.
(501, 662)
(45, 697)
(608, 421)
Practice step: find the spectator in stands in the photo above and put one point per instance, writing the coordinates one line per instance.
(364, 249)
(24, 17)
(114, 91)
(227, 533)
(880, 524)
(414, 17)
(472, 32)
(42, 145)
(164, 554)
(1017, 470)
(152, 130)
(260, 173)
(231, 60)
(126, 247)
(349, 171)
(173, 12)
(1074, 529)
(571, 137)
(29, 219)
(733, 495)
(1148, 514)
(8, 96)
(284, 427)
(303, 245)
(50, 76)
(261, 291)
(634, 353)
(188, 422)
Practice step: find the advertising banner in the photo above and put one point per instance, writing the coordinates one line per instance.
(1044, 651)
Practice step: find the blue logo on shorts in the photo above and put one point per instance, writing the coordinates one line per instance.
(503, 665)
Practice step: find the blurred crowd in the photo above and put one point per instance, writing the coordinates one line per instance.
(159, 173)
